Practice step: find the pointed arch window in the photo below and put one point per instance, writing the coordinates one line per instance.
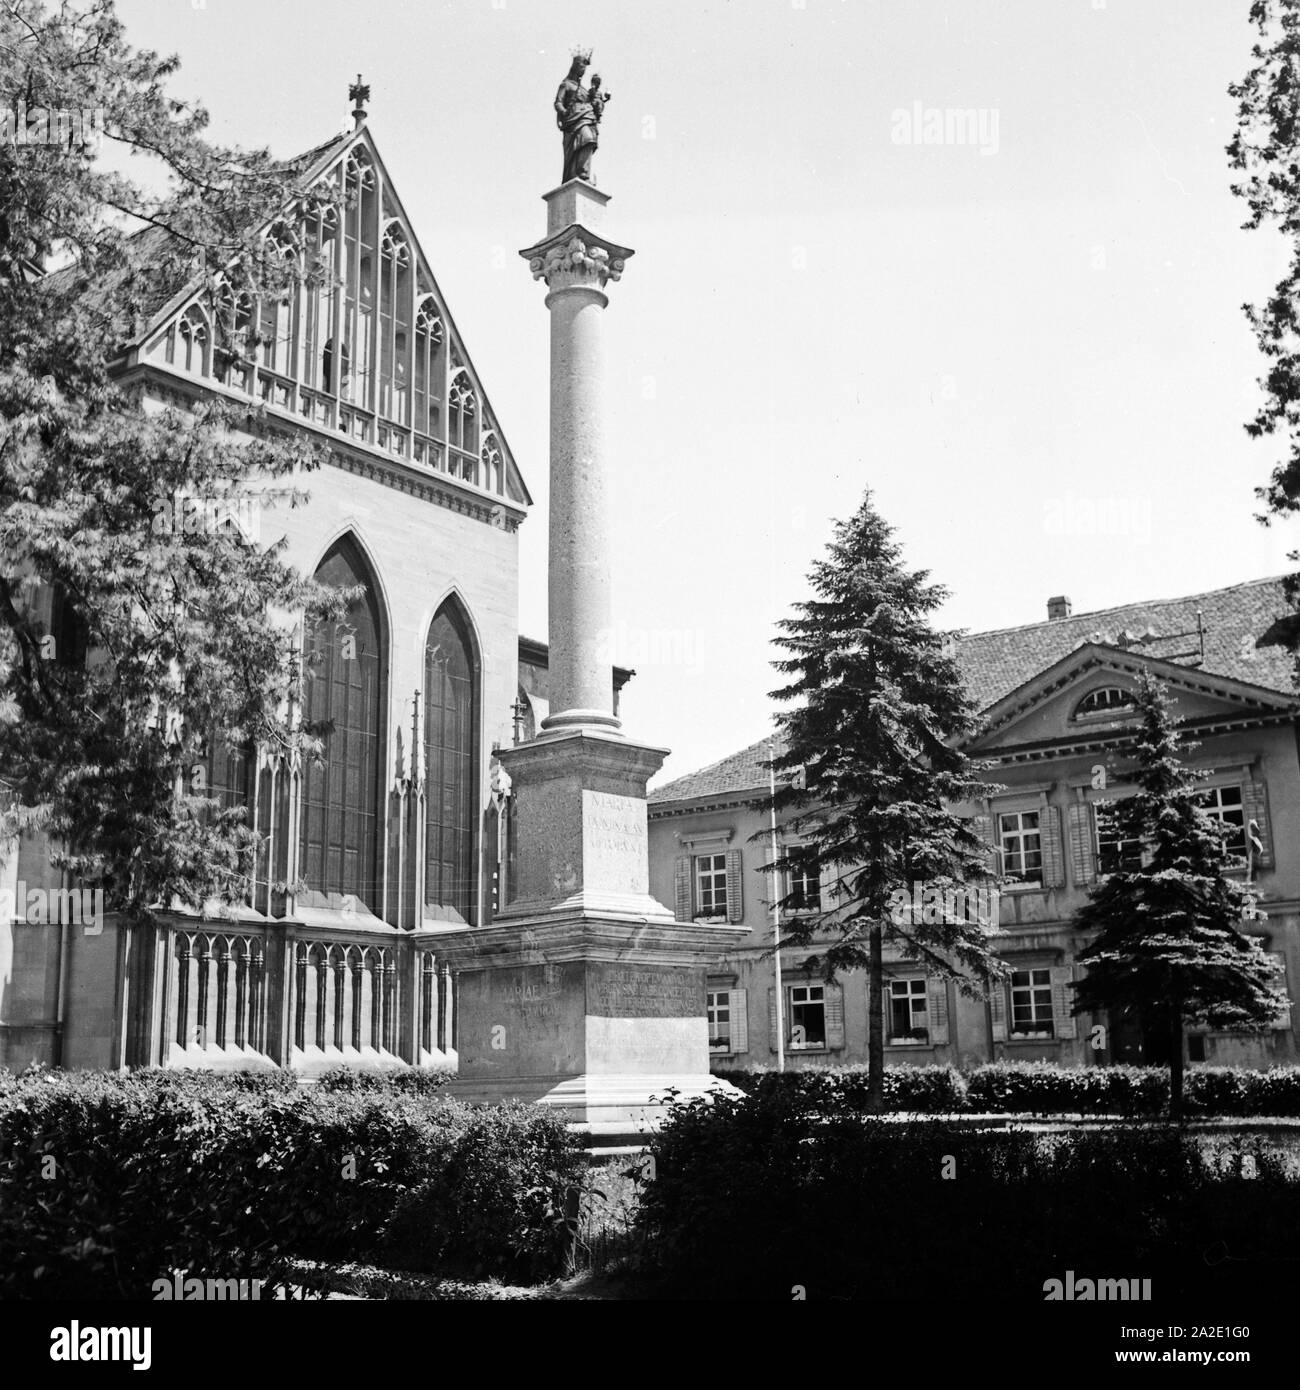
(278, 304)
(462, 416)
(342, 796)
(451, 701)
(395, 324)
(193, 342)
(360, 220)
(320, 231)
(493, 464)
(429, 337)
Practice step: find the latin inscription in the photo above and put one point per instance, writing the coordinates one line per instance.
(631, 992)
(614, 824)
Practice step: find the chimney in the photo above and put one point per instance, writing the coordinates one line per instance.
(1058, 607)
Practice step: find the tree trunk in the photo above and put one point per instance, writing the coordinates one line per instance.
(1176, 1065)
(876, 1023)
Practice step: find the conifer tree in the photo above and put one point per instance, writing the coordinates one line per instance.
(1168, 940)
(168, 644)
(878, 710)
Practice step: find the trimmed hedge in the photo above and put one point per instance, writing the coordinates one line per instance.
(922, 1090)
(768, 1197)
(107, 1182)
(1037, 1088)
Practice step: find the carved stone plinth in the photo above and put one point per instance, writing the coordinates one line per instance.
(600, 1018)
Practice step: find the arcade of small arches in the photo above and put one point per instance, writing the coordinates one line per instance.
(355, 340)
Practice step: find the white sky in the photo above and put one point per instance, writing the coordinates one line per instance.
(1035, 356)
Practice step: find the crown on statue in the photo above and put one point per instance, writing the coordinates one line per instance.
(583, 54)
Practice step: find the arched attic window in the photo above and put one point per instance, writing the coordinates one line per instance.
(493, 464)
(360, 272)
(234, 319)
(279, 300)
(430, 335)
(193, 341)
(395, 324)
(342, 797)
(451, 706)
(462, 418)
(318, 230)
(1106, 699)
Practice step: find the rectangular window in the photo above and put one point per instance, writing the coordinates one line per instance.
(807, 1016)
(802, 882)
(710, 886)
(1115, 853)
(1031, 1004)
(1021, 844)
(719, 1014)
(907, 1016)
(1225, 805)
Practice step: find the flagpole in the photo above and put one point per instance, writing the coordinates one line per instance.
(776, 924)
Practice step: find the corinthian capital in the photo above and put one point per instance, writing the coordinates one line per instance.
(576, 259)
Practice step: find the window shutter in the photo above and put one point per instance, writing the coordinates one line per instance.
(834, 995)
(937, 1002)
(739, 1022)
(830, 894)
(735, 903)
(1053, 854)
(771, 1018)
(683, 888)
(1062, 1000)
(983, 827)
(998, 1010)
(1283, 1017)
(1255, 797)
(1083, 858)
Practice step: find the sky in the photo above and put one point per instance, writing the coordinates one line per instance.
(1020, 327)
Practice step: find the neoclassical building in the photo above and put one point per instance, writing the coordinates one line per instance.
(399, 832)
(1056, 702)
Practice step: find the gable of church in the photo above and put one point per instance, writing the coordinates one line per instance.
(361, 342)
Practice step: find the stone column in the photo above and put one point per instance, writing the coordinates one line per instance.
(583, 993)
(576, 263)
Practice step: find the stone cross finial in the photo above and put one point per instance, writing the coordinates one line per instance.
(359, 93)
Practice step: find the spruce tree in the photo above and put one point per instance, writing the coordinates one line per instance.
(168, 648)
(878, 710)
(1168, 941)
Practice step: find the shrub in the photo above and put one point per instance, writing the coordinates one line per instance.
(496, 1202)
(1241, 1091)
(1036, 1088)
(753, 1197)
(108, 1182)
(929, 1090)
(413, 1081)
(1041, 1088)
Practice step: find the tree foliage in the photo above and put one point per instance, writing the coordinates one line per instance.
(1265, 150)
(878, 710)
(1168, 939)
(136, 636)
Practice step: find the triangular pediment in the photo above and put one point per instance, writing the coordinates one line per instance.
(405, 382)
(1086, 698)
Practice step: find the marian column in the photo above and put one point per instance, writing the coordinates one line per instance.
(577, 263)
(584, 993)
